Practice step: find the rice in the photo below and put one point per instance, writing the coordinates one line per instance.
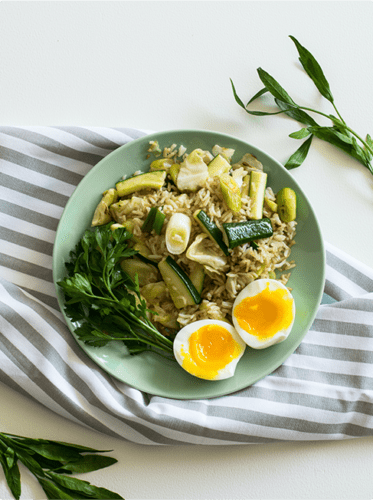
(245, 264)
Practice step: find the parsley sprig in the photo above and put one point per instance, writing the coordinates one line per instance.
(52, 463)
(339, 134)
(102, 301)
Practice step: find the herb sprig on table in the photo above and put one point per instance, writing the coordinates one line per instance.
(52, 463)
(339, 134)
(103, 300)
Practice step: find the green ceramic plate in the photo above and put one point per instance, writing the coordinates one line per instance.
(149, 372)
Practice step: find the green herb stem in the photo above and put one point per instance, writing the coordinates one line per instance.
(147, 326)
(101, 298)
(51, 463)
(340, 135)
(346, 127)
(338, 113)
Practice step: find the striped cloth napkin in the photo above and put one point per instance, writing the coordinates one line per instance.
(324, 391)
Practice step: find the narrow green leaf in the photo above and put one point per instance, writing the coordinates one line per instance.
(255, 113)
(53, 451)
(341, 141)
(300, 134)
(12, 476)
(39, 455)
(263, 113)
(80, 448)
(238, 100)
(337, 122)
(250, 112)
(313, 70)
(297, 114)
(29, 462)
(275, 88)
(369, 152)
(89, 463)
(55, 492)
(10, 457)
(84, 487)
(297, 158)
(369, 142)
(257, 95)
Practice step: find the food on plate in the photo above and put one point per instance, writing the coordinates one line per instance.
(211, 229)
(178, 233)
(263, 313)
(102, 213)
(180, 287)
(231, 192)
(257, 187)
(287, 204)
(209, 349)
(239, 233)
(205, 229)
(154, 221)
(149, 180)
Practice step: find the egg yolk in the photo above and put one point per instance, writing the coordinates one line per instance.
(266, 313)
(211, 348)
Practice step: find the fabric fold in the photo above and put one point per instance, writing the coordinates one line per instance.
(323, 391)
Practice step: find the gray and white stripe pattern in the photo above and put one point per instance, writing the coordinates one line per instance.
(323, 391)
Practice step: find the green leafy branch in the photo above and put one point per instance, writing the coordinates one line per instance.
(339, 134)
(52, 463)
(102, 300)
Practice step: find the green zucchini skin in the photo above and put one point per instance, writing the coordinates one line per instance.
(212, 230)
(182, 290)
(154, 220)
(239, 233)
(152, 180)
(146, 260)
(158, 222)
(197, 277)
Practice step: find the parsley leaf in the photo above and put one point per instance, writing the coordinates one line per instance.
(102, 301)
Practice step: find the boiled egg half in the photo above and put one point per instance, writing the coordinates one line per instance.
(209, 349)
(263, 313)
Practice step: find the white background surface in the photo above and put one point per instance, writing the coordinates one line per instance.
(165, 65)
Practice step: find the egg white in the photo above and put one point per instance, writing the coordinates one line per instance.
(253, 289)
(181, 343)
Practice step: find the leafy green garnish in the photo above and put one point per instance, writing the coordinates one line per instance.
(339, 134)
(51, 462)
(102, 300)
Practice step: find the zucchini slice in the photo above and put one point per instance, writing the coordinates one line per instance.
(149, 180)
(174, 172)
(287, 204)
(239, 233)
(181, 288)
(258, 183)
(146, 260)
(219, 165)
(197, 276)
(231, 192)
(211, 229)
(146, 273)
(154, 220)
